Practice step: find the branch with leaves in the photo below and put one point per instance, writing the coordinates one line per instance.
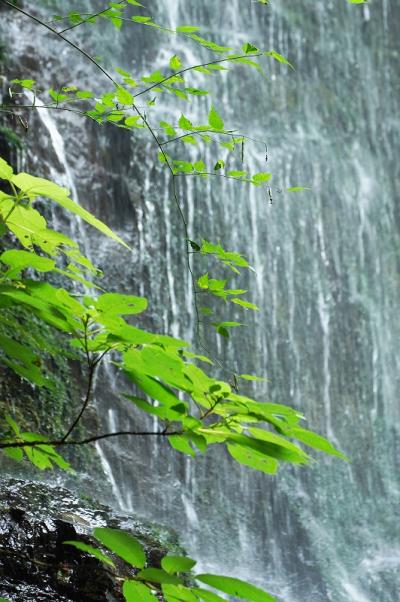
(161, 367)
(118, 107)
(174, 579)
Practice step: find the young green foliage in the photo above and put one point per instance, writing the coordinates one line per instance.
(174, 580)
(196, 409)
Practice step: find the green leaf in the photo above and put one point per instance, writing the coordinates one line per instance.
(158, 576)
(184, 123)
(26, 223)
(175, 412)
(253, 459)
(254, 378)
(237, 174)
(6, 171)
(34, 187)
(160, 364)
(194, 245)
(277, 446)
(209, 44)
(187, 29)
(168, 129)
(183, 166)
(196, 91)
(222, 327)
(315, 441)
(177, 564)
(84, 547)
(152, 387)
(278, 57)
(236, 587)
(29, 84)
(140, 19)
(207, 596)
(43, 456)
(201, 358)
(181, 443)
(20, 260)
(15, 453)
(357, 1)
(178, 593)
(58, 96)
(14, 426)
(230, 146)
(245, 304)
(115, 304)
(189, 140)
(124, 97)
(137, 592)
(123, 544)
(84, 94)
(134, 121)
(215, 120)
(261, 177)
(249, 48)
(23, 361)
(115, 116)
(297, 189)
(203, 281)
(200, 166)
(216, 67)
(175, 63)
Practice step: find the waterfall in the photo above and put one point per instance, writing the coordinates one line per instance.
(326, 279)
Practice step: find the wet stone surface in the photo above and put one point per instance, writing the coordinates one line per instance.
(35, 566)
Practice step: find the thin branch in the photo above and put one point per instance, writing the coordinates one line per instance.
(86, 401)
(62, 442)
(66, 17)
(217, 175)
(154, 136)
(60, 35)
(230, 133)
(196, 133)
(226, 59)
(143, 117)
(9, 108)
(92, 365)
(177, 203)
(90, 16)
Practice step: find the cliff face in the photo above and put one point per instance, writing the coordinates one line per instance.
(35, 566)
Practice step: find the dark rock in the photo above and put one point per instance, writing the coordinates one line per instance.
(36, 566)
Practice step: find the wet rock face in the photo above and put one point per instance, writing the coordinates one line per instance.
(36, 566)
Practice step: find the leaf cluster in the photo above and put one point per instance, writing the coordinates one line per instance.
(195, 409)
(173, 579)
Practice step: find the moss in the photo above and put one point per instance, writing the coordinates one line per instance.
(9, 137)
(2, 53)
(47, 410)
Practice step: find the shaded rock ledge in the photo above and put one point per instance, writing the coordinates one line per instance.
(36, 518)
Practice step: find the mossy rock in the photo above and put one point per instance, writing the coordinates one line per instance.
(36, 518)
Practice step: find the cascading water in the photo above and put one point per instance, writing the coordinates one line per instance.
(327, 282)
